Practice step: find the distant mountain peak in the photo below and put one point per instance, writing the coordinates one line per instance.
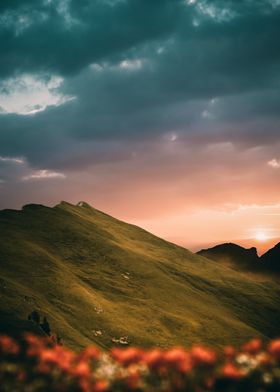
(230, 246)
(271, 259)
(83, 204)
(247, 259)
(231, 253)
(79, 204)
(64, 203)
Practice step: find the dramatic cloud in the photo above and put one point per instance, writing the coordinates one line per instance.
(146, 108)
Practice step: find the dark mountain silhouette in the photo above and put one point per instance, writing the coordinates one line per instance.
(233, 255)
(240, 258)
(271, 259)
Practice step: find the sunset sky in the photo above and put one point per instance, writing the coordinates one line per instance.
(163, 113)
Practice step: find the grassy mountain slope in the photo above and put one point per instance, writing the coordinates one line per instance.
(88, 271)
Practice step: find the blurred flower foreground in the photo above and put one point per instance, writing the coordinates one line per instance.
(38, 364)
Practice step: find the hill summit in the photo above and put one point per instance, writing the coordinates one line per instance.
(241, 258)
(232, 255)
(100, 280)
(271, 259)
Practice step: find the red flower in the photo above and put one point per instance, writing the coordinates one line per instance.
(179, 359)
(34, 340)
(35, 344)
(264, 359)
(203, 356)
(82, 369)
(274, 349)
(253, 347)
(8, 346)
(154, 358)
(48, 355)
(134, 369)
(231, 371)
(90, 352)
(100, 386)
(229, 351)
(57, 356)
(128, 356)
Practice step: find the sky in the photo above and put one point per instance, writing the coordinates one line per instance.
(163, 113)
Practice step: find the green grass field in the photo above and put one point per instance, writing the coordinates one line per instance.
(90, 272)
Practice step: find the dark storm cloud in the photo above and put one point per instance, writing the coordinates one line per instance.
(139, 69)
(65, 36)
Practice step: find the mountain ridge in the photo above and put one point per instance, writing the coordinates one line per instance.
(238, 256)
(271, 258)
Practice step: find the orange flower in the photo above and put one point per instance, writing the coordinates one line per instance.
(178, 359)
(229, 351)
(203, 356)
(231, 371)
(35, 340)
(35, 344)
(274, 348)
(100, 386)
(128, 356)
(48, 355)
(57, 356)
(154, 358)
(65, 358)
(8, 346)
(82, 369)
(253, 347)
(264, 359)
(90, 352)
(134, 369)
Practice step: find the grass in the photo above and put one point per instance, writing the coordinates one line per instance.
(88, 271)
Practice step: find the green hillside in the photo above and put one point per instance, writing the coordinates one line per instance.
(89, 272)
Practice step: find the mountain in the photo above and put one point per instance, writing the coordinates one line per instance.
(99, 280)
(271, 259)
(247, 243)
(233, 255)
(262, 246)
(243, 259)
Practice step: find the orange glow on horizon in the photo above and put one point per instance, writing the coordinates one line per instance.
(207, 228)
